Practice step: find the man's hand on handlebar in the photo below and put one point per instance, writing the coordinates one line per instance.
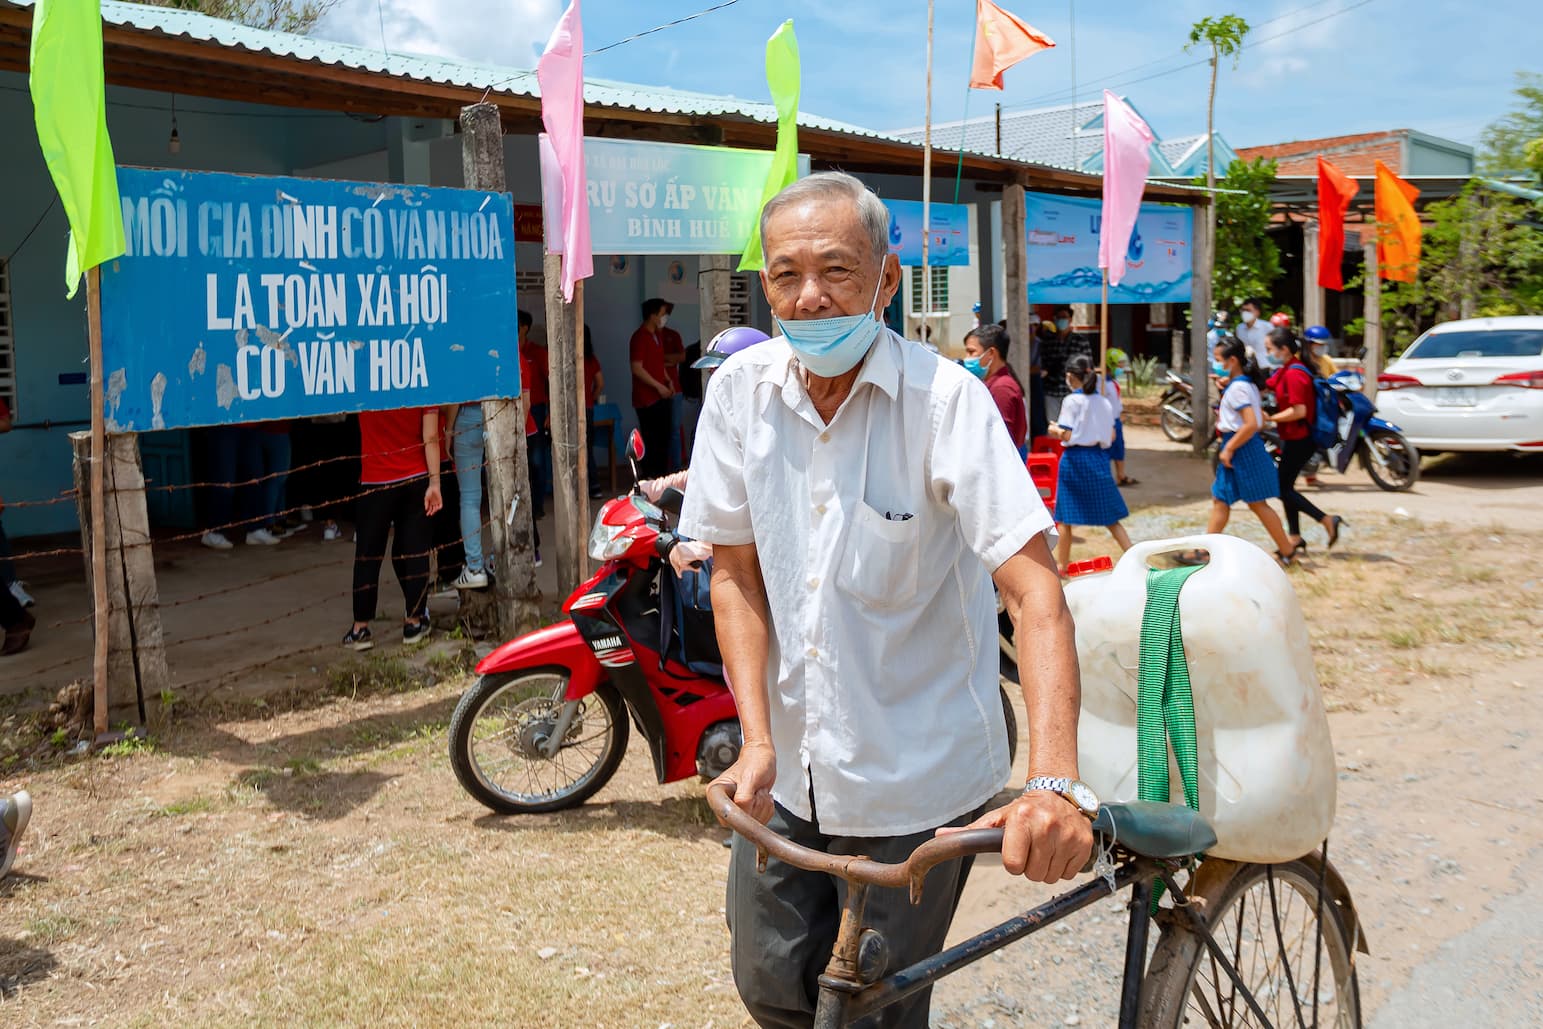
(1044, 837)
(753, 773)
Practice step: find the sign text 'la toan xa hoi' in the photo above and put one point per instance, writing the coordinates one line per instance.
(244, 298)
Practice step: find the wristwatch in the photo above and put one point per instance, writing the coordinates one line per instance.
(1074, 790)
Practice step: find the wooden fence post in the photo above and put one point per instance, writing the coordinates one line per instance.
(1015, 258)
(563, 381)
(519, 601)
(1372, 314)
(136, 643)
(1199, 349)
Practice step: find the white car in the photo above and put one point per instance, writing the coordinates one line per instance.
(1469, 385)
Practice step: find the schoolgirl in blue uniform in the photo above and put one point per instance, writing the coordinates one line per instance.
(1085, 492)
(1244, 471)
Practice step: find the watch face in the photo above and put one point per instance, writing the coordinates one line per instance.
(1084, 797)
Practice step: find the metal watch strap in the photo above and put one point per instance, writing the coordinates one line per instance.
(1050, 783)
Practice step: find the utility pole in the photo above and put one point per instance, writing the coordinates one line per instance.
(518, 599)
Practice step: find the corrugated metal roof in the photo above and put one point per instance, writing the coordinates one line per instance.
(446, 71)
(1070, 137)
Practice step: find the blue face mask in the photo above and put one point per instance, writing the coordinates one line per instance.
(1219, 370)
(974, 367)
(829, 347)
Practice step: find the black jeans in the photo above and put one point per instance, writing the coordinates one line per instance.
(399, 504)
(11, 612)
(654, 423)
(1294, 455)
(446, 529)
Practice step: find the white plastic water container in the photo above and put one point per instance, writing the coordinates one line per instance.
(1266, 762)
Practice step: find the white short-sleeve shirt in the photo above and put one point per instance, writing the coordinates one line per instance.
(877, 535)
(1240, 393)
(1089, 419)
(1111, 392)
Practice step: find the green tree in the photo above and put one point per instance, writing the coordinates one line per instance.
(1481, 255)
(1247, 259)
(1515, 140)
(298, 16)
(1224, 36)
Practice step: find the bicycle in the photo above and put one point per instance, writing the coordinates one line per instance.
(1222, 958)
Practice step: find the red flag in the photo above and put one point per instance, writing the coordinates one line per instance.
(1398, 227)
(1001, 41)
(1335, 191)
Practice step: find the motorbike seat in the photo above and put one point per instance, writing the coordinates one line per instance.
(1155, 830)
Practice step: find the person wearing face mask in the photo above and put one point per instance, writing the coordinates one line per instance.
(1253, 330)
(985, 351)
(1244, 471)
(651, 388)
(1055, 352)
(1296, 406)
(862, 496)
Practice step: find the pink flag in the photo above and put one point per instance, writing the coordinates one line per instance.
(1126, 158)
(561, 75)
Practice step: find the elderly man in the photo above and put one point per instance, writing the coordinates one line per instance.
(861, 494)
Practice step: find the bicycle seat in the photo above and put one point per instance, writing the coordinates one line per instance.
(1155, 830)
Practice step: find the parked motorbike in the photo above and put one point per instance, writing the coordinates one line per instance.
(1176, 418)
(1391, 460)
(546, 724)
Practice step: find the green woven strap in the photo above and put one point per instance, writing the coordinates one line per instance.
(1165, 709)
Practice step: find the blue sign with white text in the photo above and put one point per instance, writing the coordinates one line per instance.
(245, 298)
(949, 225)
(1062, 234)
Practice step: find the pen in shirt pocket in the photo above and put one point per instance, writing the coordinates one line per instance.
(898, 516)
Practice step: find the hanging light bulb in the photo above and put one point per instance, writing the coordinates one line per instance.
(174, 144)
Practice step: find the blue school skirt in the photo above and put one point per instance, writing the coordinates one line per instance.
(1117, 449)
(1085, 491)
(1251, 478)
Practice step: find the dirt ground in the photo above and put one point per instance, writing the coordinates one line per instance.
(304, 856)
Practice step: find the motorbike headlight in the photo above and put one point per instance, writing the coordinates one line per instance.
(607, 542)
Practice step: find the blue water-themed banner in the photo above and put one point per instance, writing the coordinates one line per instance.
(1061, 234)
(662, 198)
(246, 298)
(949, 225)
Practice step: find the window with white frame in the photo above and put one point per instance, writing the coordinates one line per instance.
(939, 277)
(7, 340)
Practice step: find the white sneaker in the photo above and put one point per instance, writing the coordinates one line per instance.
(331, 532)
(215, 541)
(22, 596)
(261, 537)
(470, 580)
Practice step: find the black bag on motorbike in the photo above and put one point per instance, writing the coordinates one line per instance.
(689, 635)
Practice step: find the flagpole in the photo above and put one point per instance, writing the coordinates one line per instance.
(926, 272)
(100, 613)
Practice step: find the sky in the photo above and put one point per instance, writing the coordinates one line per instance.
(1326, 68)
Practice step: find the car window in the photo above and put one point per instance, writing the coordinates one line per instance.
(1482, 343)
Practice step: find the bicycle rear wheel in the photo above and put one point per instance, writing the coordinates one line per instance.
(1265, 919)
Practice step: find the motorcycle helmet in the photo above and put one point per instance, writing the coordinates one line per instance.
(728, 342)
(1317, 334)
(1280, 319)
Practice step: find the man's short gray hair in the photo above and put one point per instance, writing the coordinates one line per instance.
(838, 185)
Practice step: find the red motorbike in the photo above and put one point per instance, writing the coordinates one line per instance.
(545, 725)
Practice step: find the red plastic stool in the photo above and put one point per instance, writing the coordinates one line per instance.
(1043, 469)
(1046, 445)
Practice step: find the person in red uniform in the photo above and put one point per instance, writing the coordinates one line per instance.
(538, 452)
(985, 351)
(651, 388)
(1295, 409)
(399, 476)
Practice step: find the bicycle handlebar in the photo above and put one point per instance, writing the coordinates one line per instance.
(910, 874)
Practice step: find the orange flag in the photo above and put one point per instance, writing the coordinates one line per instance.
(1398, 227)
(1001, 41)
(1335, 191)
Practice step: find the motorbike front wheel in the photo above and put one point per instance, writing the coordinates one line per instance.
(499, 742)
(1174, 427)
(1391, 461)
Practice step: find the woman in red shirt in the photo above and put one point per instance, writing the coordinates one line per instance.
(399, 473)
(986, 350)
(1295, 405)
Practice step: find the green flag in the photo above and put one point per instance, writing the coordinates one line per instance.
(69, 104)
(782, 75)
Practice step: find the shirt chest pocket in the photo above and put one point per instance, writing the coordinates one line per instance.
(879, 563)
